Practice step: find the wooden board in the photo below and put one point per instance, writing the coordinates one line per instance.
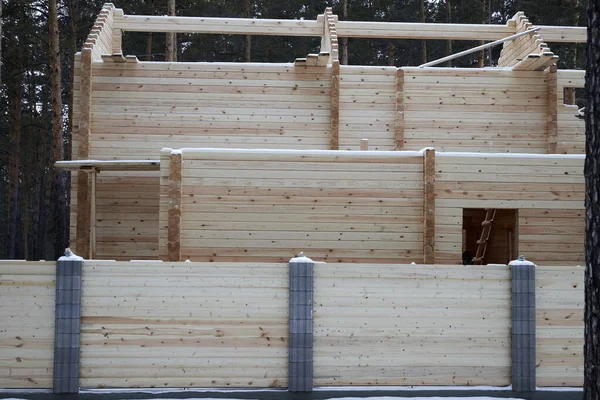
(330, 204)
(184, 325)
(411, 325)
(27, 290)
(559, 325)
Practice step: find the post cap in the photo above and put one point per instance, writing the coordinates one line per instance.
(300, 258)
(521, 261)
(70, 256)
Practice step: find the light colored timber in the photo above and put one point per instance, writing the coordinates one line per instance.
(27, 324)
(281, 27)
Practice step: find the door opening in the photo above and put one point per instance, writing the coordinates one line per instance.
(489, 236)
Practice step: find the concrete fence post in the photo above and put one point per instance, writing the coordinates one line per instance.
(300, 345)
(67, 322)
(522, 274)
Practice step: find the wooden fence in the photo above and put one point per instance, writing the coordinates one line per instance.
(157, 324)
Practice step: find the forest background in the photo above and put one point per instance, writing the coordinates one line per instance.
(40, 39)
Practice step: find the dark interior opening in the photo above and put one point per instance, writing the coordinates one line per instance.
(502, 245)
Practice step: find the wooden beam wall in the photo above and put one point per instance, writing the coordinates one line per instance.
(450, 325)
(571, 130)
(28, 291)
(98, 42)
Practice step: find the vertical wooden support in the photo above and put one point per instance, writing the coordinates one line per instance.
(83, 153)
(93, 176)
(364, 144)
(552, 110)
(335, 105)
(117, 34)
(399, 115)
(429, 207)
(174, 213)
(326, 38)
(117, 41)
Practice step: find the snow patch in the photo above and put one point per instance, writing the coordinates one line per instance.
(72, 257)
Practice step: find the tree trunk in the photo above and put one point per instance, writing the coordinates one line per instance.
(58, 195)
(0, 40)
(73, 23)
(148, 56)
(248, 14)
(344, 41)
(15, 90)
(423, 42)
(481, 54)
(171, 42)
(449, 21)
(592, 204)
(391, 53)
(572, 53)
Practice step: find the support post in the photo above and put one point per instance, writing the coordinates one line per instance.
(522, 273)
(300, 344)
(93, 239)
(429, 207)
(83, 152)
(67, 322)
(174, 218)
(399, 115)
(335, 105)
(364, 144)
(552, 110)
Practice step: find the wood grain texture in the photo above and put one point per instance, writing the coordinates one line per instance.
(184, 325)
(551, 115)
(559, 325)
(270, 205)
(475, 110)
(411, 325)
(547, 192)
(175, 207)
(27, 293)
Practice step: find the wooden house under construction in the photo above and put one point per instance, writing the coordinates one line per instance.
(247, 161)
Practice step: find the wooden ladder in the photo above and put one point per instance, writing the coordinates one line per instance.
(490, 213)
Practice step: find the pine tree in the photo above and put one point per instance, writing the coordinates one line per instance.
(592, 205)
